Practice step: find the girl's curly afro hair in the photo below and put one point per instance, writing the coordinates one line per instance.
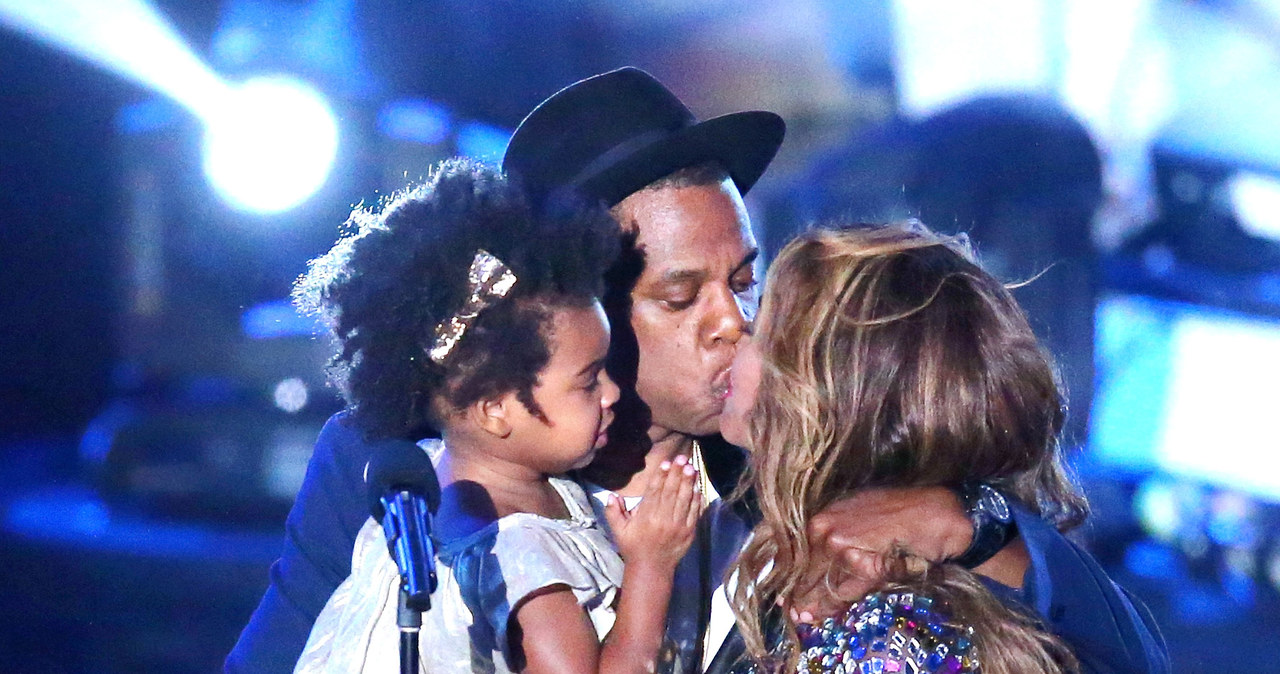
(384, 287)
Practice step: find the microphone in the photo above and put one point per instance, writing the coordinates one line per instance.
(403, 492)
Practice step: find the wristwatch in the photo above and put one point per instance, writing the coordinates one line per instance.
(993, 525)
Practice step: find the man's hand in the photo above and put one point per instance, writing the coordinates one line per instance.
(661, 529)
(851, 540)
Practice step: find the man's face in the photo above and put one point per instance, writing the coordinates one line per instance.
(692, 302)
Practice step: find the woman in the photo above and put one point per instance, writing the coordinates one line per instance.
(884, 356)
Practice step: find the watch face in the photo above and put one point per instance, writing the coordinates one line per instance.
(992, 502)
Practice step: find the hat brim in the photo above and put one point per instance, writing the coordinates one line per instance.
(743, 142)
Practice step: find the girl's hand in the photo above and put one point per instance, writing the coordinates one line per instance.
(660, 529)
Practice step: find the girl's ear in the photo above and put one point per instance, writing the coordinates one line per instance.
(493, 416)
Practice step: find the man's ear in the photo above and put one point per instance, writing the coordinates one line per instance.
(493, 416)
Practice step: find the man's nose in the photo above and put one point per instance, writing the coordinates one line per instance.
(728, 319)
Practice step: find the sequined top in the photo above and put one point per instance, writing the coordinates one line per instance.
(887, 633)
(481, 577)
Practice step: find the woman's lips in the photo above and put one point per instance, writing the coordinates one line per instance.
(721, 384)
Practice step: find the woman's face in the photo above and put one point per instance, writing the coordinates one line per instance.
(744, 379)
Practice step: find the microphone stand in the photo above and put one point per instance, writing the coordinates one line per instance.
(403, 490)
(409, 621)
(417, 570)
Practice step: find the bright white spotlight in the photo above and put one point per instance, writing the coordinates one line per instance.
(290, 395)
(270, 145)
(127, 37)
(1255, 198)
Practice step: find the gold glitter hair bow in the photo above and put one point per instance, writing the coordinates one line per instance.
(489, 280)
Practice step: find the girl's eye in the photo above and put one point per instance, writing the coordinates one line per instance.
(679, 305)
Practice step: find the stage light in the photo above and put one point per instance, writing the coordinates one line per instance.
(1255, 198)
(128, 37)
(271, 145)
(944, 53)
(291, 395)
(269, 142)
(1272, 569)
(1233, 520)
(1158, 510)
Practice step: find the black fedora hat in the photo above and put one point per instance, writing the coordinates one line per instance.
(611, 134)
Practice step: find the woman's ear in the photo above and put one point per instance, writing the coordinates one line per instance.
(493, 416)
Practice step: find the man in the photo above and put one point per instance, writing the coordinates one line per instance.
(682, 299)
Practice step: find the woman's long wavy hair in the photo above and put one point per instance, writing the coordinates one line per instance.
(889, 358)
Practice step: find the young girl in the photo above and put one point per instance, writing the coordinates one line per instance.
(885, 357)
(459, 309)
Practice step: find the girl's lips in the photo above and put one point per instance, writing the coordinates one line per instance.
(603, 435)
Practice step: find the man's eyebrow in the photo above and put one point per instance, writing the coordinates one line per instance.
(697, 276)
(677, 276)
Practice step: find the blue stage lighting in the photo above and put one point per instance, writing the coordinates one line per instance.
(271, 145)
(1158, 509)
(482, 141)
(278, 318)
(417, 121)
(127, 37)
(269, 142)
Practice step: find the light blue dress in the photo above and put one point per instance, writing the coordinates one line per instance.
(481, 577)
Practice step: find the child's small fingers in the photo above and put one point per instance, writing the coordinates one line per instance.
(614, 512)
(621, 506)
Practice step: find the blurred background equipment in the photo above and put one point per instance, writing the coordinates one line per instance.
(167, 169)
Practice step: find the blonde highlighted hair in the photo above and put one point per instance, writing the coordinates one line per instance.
(890, 358)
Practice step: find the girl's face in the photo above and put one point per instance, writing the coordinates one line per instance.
(574, 392)
(744, 379)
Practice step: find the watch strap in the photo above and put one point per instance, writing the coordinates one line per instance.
(993, 528)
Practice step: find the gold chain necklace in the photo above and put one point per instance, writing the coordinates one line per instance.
(704, 482)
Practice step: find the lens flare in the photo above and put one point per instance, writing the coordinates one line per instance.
(270, 145)
(127, 37)
(269, 142)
